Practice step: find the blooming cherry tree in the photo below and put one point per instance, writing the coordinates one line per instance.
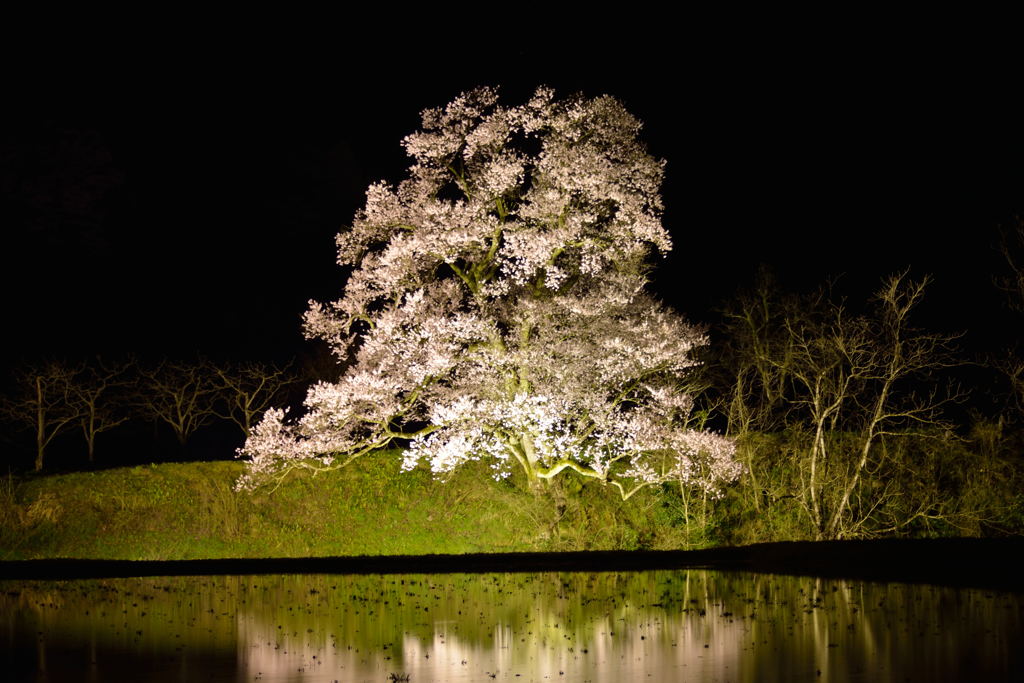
(496, 310)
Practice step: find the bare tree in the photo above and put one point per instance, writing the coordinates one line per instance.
(43, 402)
(246, 390)
(1010, 362)
(840, 392)
(93, 395)
(828, 354)
(856, 380)
(749, 366)
(180, 394)
(753, 353)
(900, 354)
(1012, 248)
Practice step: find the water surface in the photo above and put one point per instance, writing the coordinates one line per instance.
(613, 626)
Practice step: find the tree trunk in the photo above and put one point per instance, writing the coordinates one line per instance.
(40, 425)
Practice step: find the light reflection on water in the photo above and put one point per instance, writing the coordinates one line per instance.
(600, 627)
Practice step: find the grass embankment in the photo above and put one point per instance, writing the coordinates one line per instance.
(189, 511)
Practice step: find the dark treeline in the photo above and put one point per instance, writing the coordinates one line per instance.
(858, 424)
(855, 422)
(99, 412)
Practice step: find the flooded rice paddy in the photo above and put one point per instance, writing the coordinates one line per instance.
(685, 625)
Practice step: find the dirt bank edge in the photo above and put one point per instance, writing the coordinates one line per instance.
(966, 562)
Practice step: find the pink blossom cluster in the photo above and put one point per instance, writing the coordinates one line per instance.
(497, 310)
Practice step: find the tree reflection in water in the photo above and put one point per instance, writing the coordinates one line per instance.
(663, 625)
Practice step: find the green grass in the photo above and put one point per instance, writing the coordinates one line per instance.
(189, 511)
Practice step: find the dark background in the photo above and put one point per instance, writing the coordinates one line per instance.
(173, 195)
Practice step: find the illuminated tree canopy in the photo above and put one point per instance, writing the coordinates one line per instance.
(496, 310)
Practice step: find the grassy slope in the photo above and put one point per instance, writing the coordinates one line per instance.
(189, 511)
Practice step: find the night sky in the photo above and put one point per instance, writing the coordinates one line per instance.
(174, 201)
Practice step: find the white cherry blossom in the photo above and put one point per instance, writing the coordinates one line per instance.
(496, 310)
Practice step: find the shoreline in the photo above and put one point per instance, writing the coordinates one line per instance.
(960, 562)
